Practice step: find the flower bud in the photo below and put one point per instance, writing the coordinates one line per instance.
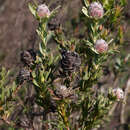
(118, 92)
(28, 57)
(43, 11)
(101, 46)
(96, 10)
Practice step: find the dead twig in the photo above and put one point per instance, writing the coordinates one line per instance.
(122, 115)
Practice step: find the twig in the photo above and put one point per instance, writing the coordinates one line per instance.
(122, 115)
(15, 92)
(112, 109)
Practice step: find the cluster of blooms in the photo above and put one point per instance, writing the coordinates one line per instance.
(96, 10)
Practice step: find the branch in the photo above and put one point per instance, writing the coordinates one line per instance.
(122, 116)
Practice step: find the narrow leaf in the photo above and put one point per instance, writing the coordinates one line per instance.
(32, 8)
(85, 11)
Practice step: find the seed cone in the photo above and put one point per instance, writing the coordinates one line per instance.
(70, 61)
(54, 24)
(23, 75)
(63, 92)
(28, 57)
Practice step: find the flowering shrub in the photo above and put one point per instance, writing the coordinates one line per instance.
(64, 82)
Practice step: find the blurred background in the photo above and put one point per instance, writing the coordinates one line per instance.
(17, 33)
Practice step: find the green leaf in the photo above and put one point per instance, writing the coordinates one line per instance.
(49, 36)
(85, 11)
(47, 74)
(3, 95)
(14, 86)
(39, 33)
(123, 2)
(33, 74)
(8, 92)
(53, 13)
(91, 47)
(50, 60)
(86, 3)
(44, 34)
(86, 76)
(42, 48)
(56, 58)
(35, 83)
(32, 8)
(44, 20)
(89, 43)
(41, 72)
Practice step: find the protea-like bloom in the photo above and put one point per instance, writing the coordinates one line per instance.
(43, 11)
(118, 92)
(96, 10)
(101, 46)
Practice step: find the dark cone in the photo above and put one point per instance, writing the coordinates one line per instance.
(106, 70)
(23, 75)
(53, 105)
(54, 24)
(28, 57)
(70, 61)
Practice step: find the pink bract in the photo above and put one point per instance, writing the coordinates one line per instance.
(43, 11)
(101, 46)
(96, 10)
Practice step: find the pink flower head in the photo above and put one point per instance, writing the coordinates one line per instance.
(96, 10)
(118, 92)
(43, 11)
(101, 46)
